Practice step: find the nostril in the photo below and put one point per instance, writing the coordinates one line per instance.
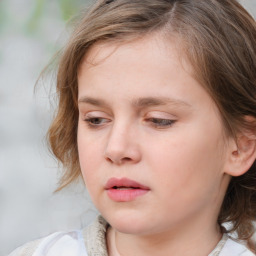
(109, 159)
(119, 160)
(126, 159)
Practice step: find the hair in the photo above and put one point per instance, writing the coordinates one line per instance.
(219, 39)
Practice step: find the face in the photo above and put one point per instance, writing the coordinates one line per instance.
(150, 139)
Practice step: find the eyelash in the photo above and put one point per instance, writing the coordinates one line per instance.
(96, 122)
(161, 123)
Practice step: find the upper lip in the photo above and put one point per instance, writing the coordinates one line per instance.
(124, 182)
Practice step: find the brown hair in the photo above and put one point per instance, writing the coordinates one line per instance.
(219, 37)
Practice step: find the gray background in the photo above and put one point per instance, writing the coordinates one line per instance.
(30, 32)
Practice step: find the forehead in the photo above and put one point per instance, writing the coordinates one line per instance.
(152, 63)
(170, 47)
(147, 67)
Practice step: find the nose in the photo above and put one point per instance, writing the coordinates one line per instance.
(122, 145)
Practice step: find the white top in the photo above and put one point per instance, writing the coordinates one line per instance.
(59, 244)
(62, 244)
(232, 248)
(72, 244)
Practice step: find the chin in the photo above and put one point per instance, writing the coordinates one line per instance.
(128, 223)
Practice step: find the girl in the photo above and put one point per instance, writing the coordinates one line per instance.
(157, 112)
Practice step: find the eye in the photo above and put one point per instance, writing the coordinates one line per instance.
(161, 123)
(95, 122)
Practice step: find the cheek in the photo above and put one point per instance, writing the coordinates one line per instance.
(89, 164)
(189, 163)
(89, 152)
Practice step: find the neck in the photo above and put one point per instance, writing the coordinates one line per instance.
(198, 240)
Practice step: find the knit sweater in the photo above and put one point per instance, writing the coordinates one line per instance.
(91, 241)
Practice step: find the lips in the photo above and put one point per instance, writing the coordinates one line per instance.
(124, 190)
(123, 183)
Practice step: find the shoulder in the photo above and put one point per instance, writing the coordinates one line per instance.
(87, 242)
(27, 249)
(235, 248)
(59, 243)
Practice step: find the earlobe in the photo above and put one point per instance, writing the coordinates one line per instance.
(242, 155)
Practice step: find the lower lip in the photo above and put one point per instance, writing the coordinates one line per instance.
(125, 195)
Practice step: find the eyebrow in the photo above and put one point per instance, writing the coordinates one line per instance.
(158, 101)
(138, 103)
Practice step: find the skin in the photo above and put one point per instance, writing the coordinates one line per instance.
(173, 142)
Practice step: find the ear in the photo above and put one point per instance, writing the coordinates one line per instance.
(242, 153)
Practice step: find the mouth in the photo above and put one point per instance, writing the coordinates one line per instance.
(124, 190)
(123, 184)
